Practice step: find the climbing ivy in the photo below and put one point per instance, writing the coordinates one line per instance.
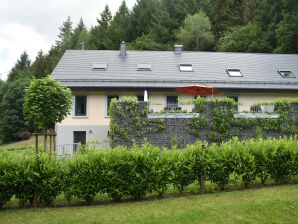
(199, 103)
(222, 119)
(137, 124)
(197, 124)
(220, 125)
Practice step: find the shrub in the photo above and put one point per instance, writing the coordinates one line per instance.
(182, 169)
(118, 166)
(25, 179)
(50, 179)
(6, 180)
(85, 176)
(141, 170)
(281, 160)
(219, 168)
(260, 151)
(244, 165)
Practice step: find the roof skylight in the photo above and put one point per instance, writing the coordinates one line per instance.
(286, 74)
(100, 66)
(185, 68)
(143, 67)
(234, 72)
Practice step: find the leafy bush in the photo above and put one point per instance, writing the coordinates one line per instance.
(282, 161)
(220, 165)
(6, 181)
(182, 168)
(85, 176)
(141, 170)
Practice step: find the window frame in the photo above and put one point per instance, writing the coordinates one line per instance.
(172, 106)
(234, 70)
(287, 77)
(75, 106)
(144, 67)
(100, 67)
(185, 65)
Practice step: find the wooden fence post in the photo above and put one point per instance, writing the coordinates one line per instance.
(51, 134)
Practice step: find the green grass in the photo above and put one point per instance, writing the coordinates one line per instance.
(24, 143)
(267, 205)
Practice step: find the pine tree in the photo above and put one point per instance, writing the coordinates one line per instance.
(118, 28)
(80, 35)
(22, 64)
(99, 37)
(66, 31)
(39, 66)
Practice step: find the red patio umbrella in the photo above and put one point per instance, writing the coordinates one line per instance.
(197, 90)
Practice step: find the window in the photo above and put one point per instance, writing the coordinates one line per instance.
(234, 72)
(79, 137)
(100, 67)
(185, 68)
(236, 99)
(286, 74)
(80, 105)
(172, 103)
(140, 97)
(144, 67)
(109, 99)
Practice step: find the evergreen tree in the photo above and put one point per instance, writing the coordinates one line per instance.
(79, 35)
(268, 16)
(118, 28)
(144, 13)
(39, 66)
(22, 64)
(99, 36)
(287, 34)
(250, 10)
(65, 36)
(63, 43)
(226, 14)
(12, 122)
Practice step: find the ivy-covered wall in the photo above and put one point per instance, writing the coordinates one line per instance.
(213, 122)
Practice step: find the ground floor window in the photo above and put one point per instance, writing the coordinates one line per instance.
(79, 138)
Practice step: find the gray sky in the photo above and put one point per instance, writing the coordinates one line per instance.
(32, 25)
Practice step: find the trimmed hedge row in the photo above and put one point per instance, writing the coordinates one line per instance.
(136, 172)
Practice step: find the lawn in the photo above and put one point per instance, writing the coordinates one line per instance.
(266, 205)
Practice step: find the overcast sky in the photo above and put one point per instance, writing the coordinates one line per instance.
(32, 25)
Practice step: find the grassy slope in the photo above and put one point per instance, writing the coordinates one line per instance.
(23, 144)
(267, 205)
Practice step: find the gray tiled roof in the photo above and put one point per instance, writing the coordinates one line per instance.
(260, 71)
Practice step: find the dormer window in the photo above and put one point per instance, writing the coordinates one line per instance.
(143, 67)
(234, 72)
(100, 66)
(185, 68)
(286, 74)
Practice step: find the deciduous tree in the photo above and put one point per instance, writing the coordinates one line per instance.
(249, 38)
(195, 34)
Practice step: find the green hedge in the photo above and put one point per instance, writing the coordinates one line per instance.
(139, 171)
